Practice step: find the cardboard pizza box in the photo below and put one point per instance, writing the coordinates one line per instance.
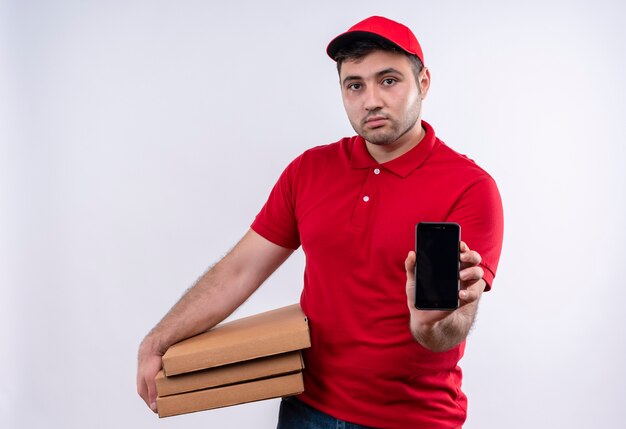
(284, 363)
(273, 387)
(265, 334)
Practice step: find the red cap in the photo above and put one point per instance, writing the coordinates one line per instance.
(377, 28)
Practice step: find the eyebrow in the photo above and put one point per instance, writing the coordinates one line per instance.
(383, 72)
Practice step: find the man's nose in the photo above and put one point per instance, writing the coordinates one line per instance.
(373, 99)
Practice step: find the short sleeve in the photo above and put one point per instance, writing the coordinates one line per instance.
(277, 221)
(479, 212)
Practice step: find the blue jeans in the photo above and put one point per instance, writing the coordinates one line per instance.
(295, 414)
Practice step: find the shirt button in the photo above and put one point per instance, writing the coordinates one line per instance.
(377, 171)
(366, 198)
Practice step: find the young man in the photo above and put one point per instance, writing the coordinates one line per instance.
(375, 360)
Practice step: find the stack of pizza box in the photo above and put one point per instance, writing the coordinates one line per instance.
(249, 359)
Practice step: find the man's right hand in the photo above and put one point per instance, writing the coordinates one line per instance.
(149, 364)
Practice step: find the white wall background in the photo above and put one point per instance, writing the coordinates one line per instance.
(140, 138)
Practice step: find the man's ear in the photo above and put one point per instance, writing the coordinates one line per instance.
(424, 82)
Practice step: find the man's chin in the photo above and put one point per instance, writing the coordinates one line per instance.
(381, 136)
(378, 139)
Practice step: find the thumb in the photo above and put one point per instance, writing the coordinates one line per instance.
(409, 266)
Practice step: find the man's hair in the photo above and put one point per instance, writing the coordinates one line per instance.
(361, 48)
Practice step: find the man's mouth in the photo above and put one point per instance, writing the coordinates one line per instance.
(375, 121)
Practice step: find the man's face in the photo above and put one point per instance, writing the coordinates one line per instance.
(382, 98)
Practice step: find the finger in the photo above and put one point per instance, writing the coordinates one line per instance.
(409, 266)
(473, 292)
(146, 393)
(467, 257)
(468, 295)
(471, 274)
(142, 390)
(470, 258)
(152, 395)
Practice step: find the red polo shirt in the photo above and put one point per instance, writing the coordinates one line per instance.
(355, 220)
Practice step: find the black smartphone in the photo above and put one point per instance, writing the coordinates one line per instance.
(437, 247)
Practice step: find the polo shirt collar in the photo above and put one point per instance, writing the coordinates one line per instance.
(401, 166)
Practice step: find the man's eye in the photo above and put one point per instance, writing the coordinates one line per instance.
(354, 86)
(389, 81)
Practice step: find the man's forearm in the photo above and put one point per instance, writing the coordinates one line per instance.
(214, 296)
(219, 291)
(204, 305)
(192, 314)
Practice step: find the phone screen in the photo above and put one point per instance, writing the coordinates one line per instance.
(437, 265)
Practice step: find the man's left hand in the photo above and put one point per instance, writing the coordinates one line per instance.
(426, 324)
